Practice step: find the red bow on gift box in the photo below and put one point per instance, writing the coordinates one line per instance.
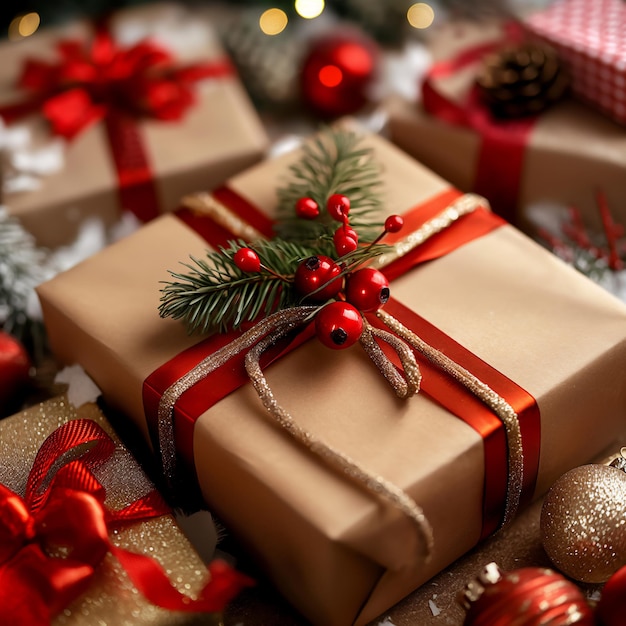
(103, 81)
(53, 539)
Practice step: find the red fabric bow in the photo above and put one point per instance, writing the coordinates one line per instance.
(53, 539)
(90, 82)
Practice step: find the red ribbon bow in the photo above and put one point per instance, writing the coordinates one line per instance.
(90, 82)
(53, 539)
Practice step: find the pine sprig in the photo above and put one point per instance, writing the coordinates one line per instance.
(332, 163)
(216, 296)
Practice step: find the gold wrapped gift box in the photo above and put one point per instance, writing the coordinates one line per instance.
(334, 551)
(111, 597)
(217, 137)
(572, 151)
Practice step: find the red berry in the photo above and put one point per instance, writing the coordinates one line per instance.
(394, 223)
(344, 243)
(338, 325)
(247, 260)
(307, 208)
(338, 207)
(367, 289)
(318, 272)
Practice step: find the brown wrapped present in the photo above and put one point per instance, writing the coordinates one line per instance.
(179, 122)
(519, 315)
(77, 481)
(562, 156)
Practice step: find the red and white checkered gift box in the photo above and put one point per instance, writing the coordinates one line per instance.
(590, 37)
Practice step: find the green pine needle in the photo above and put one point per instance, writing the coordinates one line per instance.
(332, 163)
(216, 296)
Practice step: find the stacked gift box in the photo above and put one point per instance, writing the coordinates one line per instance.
(343, 496)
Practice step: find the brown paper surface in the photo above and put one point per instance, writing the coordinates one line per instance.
(112, 598)
(572, 149)
(334, 552)
(218, 137)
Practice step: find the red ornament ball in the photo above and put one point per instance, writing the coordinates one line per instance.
(338, 207)
(338, 325)
(344, 241)
(525, 597)
(337, 72)
(394, 223)
(247, 260)
(307, 208)
(15, 367)
(612, 606)
(318, 273)
(367, 289)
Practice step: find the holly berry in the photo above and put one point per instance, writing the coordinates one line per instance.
(344, 242)
(318, 272)
(394, 223)
(338, 207)
(338, 325)
(307, 208)
(367, 289)
(247, 260)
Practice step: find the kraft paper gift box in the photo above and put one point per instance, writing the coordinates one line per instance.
(110, 595)
(333, 551)
(219, 135)
(569, 152)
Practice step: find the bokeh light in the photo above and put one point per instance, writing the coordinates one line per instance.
(330, 76)
(309, 8)
(273, 21)
(23, 25)
(420, 15)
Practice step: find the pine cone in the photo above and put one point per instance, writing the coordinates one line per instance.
(522, 80)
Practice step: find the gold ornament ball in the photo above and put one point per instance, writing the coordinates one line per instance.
(583, 522)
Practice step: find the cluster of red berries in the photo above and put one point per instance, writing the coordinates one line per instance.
(338, 324)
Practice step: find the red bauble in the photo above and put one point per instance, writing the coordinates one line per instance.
(338, 207)
(247, 260)
(307, 208)
(612, 606)
(530, 596)
(337, 73)
(394, 223)
(14, 373)
(344, 241)
(318, 272)
(338, 325)
(367, 289)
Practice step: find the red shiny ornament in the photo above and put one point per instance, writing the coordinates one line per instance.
(15, 367)
(307, 208)
(394, 223)
(338, 207)
(530, 596)
(612, 606)
(344, 242)
(367, 289)
(247, 260)
(318, 273)
(338, 325)
(337, 72)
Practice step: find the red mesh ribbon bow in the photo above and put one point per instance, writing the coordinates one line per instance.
(53, 539)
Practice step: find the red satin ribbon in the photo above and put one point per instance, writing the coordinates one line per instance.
(454, 397)
(500, 163)
(53, 539)
(118, 85)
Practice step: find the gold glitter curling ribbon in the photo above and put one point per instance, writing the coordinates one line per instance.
(373, 483)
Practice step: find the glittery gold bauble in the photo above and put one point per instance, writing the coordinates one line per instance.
(531, 596)
(583, 521)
